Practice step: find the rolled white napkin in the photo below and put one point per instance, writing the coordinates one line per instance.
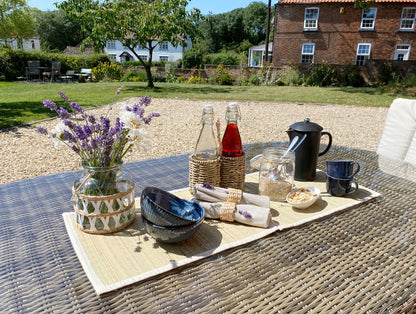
(253, 210)
(216, 194)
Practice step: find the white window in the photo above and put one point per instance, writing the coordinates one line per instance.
(111, 44)
(402, 52)
(112, 56)
(407, 21)
(368, 18)
(363, 53)
(143, 57)
(308, 51)
(311, 19)
(164, 46)
(164, 58)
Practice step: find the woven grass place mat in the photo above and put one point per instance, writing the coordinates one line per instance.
(116, 260)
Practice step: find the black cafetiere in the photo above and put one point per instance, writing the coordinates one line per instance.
(308, 152)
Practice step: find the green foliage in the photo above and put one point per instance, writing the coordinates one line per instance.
(135, 76)
(386, 73)
(13, 63)
(227, 58)
(192, 58)
(321, 74)
(288, 75)
(254, 80)
(350, 75)
(107, 71)
(56, 31)
(141, 23)
(222, 75)
(16, 20)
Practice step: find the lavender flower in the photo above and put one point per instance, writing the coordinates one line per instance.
(208, 186)
(50, 104)
(119, 90)
(245, 213)
(63, 96)
(42, 130)
(95, 140)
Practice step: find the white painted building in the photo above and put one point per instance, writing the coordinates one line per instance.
(29, 44)
(163, 52)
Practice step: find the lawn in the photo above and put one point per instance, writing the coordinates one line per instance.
(21, 103)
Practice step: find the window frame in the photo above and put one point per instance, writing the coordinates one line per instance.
(365, 56)
(412, 20)
(367, 19)
(164, 46)
(111, 44)
(306, 20)
(112, 56)
(307, 54)
(164, 57)
(397, 49)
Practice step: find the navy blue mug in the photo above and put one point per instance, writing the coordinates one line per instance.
(343, 169)
(340, 187)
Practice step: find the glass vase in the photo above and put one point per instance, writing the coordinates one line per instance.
(103, 199)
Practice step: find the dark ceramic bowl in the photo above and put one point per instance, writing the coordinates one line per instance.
(165, 209)
(172, 234)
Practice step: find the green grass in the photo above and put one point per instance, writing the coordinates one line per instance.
(21, 103)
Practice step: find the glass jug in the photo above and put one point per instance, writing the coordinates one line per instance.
(276, 173)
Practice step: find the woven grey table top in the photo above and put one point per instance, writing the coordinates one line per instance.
(361, 260)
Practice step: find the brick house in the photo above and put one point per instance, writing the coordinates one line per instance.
(336, 32)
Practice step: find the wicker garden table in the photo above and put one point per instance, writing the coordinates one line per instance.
(360, 260)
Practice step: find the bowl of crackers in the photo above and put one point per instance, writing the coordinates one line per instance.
(303, 197)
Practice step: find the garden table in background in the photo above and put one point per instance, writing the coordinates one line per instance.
(358, 260)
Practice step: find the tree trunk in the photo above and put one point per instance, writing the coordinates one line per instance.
(149, 76)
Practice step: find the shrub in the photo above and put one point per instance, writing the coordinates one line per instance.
(289, 76)
(222, 75)
(351, 75)
(192, 58)
(227, 58)
(107, 70)
(254, 80)
(321, 74)
(135, 76)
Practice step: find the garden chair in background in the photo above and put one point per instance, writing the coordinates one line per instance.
(397, 147)
(54, 72)
(69, 76)
(33, 69)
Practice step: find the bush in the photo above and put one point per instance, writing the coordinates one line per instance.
(107, 70)
(254, 80)
(135, 76)
(13, 63)
(227, 58)
(351, 75)
(222, 75)
(289, 76)
(192, 58)
(321, 74)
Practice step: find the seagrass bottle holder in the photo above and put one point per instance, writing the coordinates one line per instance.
(203, 171)
(233, 171)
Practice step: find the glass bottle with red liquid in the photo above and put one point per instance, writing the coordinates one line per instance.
(231, 142)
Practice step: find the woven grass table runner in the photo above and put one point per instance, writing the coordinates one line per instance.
(120, 259)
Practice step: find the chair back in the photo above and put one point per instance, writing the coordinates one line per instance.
(33, 67)
(397, 147)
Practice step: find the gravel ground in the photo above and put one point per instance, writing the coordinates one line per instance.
(25, 153)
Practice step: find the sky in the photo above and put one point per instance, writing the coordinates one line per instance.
(206, 6)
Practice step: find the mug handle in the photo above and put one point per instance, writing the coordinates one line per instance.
(355, 188)
(329, 142)
(358, 168)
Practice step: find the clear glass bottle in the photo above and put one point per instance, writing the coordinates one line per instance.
(231, 142)
(207, 145)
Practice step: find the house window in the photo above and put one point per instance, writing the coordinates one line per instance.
(164, 46)
(33, 44)
(363, 53)
(368, 18)
(311, 19)
(164, 58)
(402, 52)
(112, 56)
(308, 51)
(111, 44)
(143, 57)
(407, 21)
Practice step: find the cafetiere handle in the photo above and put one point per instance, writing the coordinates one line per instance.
(329, 143)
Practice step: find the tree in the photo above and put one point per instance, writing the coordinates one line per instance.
(134, 23)
(15, 20)
(56, 31)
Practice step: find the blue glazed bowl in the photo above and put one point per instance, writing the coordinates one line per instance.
(165, 209)
(172, 234)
